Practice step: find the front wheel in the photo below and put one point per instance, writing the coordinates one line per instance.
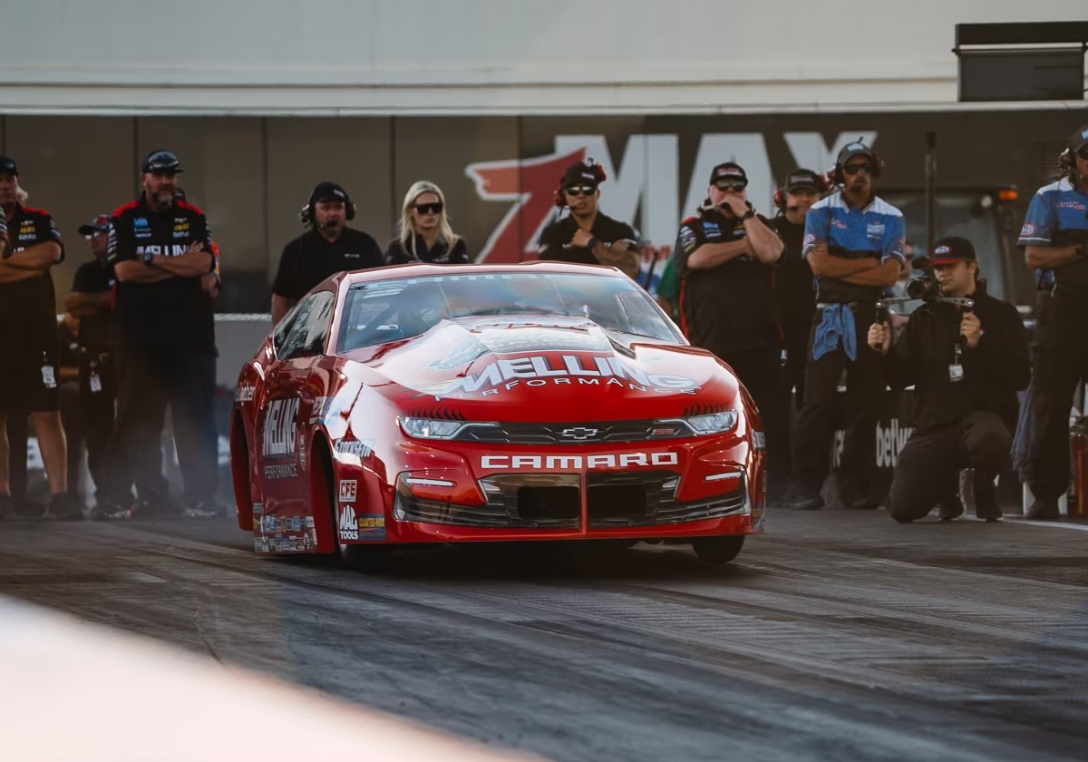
(718, 550)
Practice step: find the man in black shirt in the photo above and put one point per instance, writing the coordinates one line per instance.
(587, 235)
(91, 302)
(29, 347)
(966, 362)
(160, 249)
(794, 286)
(725, 257)
(327, 248)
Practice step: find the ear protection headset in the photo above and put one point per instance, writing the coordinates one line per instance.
(836, 173)
(593, 167)
(823, 185)
(306, 215)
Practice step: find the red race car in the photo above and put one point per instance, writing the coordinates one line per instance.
(540, 401)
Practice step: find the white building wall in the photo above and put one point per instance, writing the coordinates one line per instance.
(489, 56)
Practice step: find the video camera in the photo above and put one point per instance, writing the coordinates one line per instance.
(926, 288)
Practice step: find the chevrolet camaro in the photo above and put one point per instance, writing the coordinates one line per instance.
(535, 402)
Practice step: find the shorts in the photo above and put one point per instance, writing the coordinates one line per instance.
(29, 366)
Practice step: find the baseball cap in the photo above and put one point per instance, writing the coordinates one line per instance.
(802, 178)
(857, 148)
(326, 190)
(952, 249)
(99, 224)
(1079, 139)
(8, 166)
(580, 173)
(162, 161)
(729, 170)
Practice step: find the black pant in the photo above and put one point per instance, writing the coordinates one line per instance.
(1060, 359)
(75, 431)
(814, 429)
(760, 370)
(18, 440)
(929, 465)
(148, 381)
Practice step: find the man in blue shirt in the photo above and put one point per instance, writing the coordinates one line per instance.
(854, 244)
(1054, 238)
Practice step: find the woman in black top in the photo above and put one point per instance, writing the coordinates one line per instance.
(424, 232)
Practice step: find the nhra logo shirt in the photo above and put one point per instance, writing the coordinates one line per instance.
(33, 297)
(174, 311)
(875, 232)
(1058, 216)
(728, 308)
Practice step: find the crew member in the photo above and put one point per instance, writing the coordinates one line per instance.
(160, 249)
(327, 248)
(967, 361)
(1055, 238)
(854, 245)
(587, 235)
(725, 257)
(91, 302)
(29, 348)
(794, 292)
(424, 231)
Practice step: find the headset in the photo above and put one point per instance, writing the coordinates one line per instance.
(306, 214)
(823, 185)
(594, 168)
(835, 174)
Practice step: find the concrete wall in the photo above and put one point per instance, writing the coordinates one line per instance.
(488, 56)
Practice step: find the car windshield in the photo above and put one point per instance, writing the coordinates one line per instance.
(391, 310)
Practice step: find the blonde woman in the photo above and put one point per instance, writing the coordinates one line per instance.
(424, 232)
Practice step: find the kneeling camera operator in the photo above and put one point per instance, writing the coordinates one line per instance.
(966, 354)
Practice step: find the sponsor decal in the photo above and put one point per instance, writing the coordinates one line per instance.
(1027, 230)
(174, 250)
(140, 222)
(650, 167)
(349, 490)
(371, 527)
(349, 530)
(277, 471)
(875, 229)
(571, 370)
(578, 462)
(942, 250)
(759, 440)
(838, 224)
(360, 449)
(258, 509)
(244, 393)
(810, 239)
(1074, 205)
(280, 427)
(712, 229)
(890, 442)
(302, 451)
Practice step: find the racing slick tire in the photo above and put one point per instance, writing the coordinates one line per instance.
(717, 550)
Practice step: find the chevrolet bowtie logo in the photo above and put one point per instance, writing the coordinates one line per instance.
(578, 433)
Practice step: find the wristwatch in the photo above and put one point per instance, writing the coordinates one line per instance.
(748, 215)
(147, 257)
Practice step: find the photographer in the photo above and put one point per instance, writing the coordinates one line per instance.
(1055, 239)
(725, 257)
(588, 236)
(966, 354)
(854, 245)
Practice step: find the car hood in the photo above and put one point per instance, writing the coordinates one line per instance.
(547, 369)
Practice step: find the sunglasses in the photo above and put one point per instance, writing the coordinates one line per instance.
(853, 169)
(581, 190)
(727, 185)
(1083, 152)
(435, 208)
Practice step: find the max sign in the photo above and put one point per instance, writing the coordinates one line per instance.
(644, 186)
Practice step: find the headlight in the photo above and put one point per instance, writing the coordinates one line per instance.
(430, 428)
(716, 423)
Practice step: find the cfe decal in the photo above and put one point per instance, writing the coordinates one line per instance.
(577, 462)
(500, 376)
(349, 490)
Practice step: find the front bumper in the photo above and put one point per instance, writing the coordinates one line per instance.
(704, 487)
